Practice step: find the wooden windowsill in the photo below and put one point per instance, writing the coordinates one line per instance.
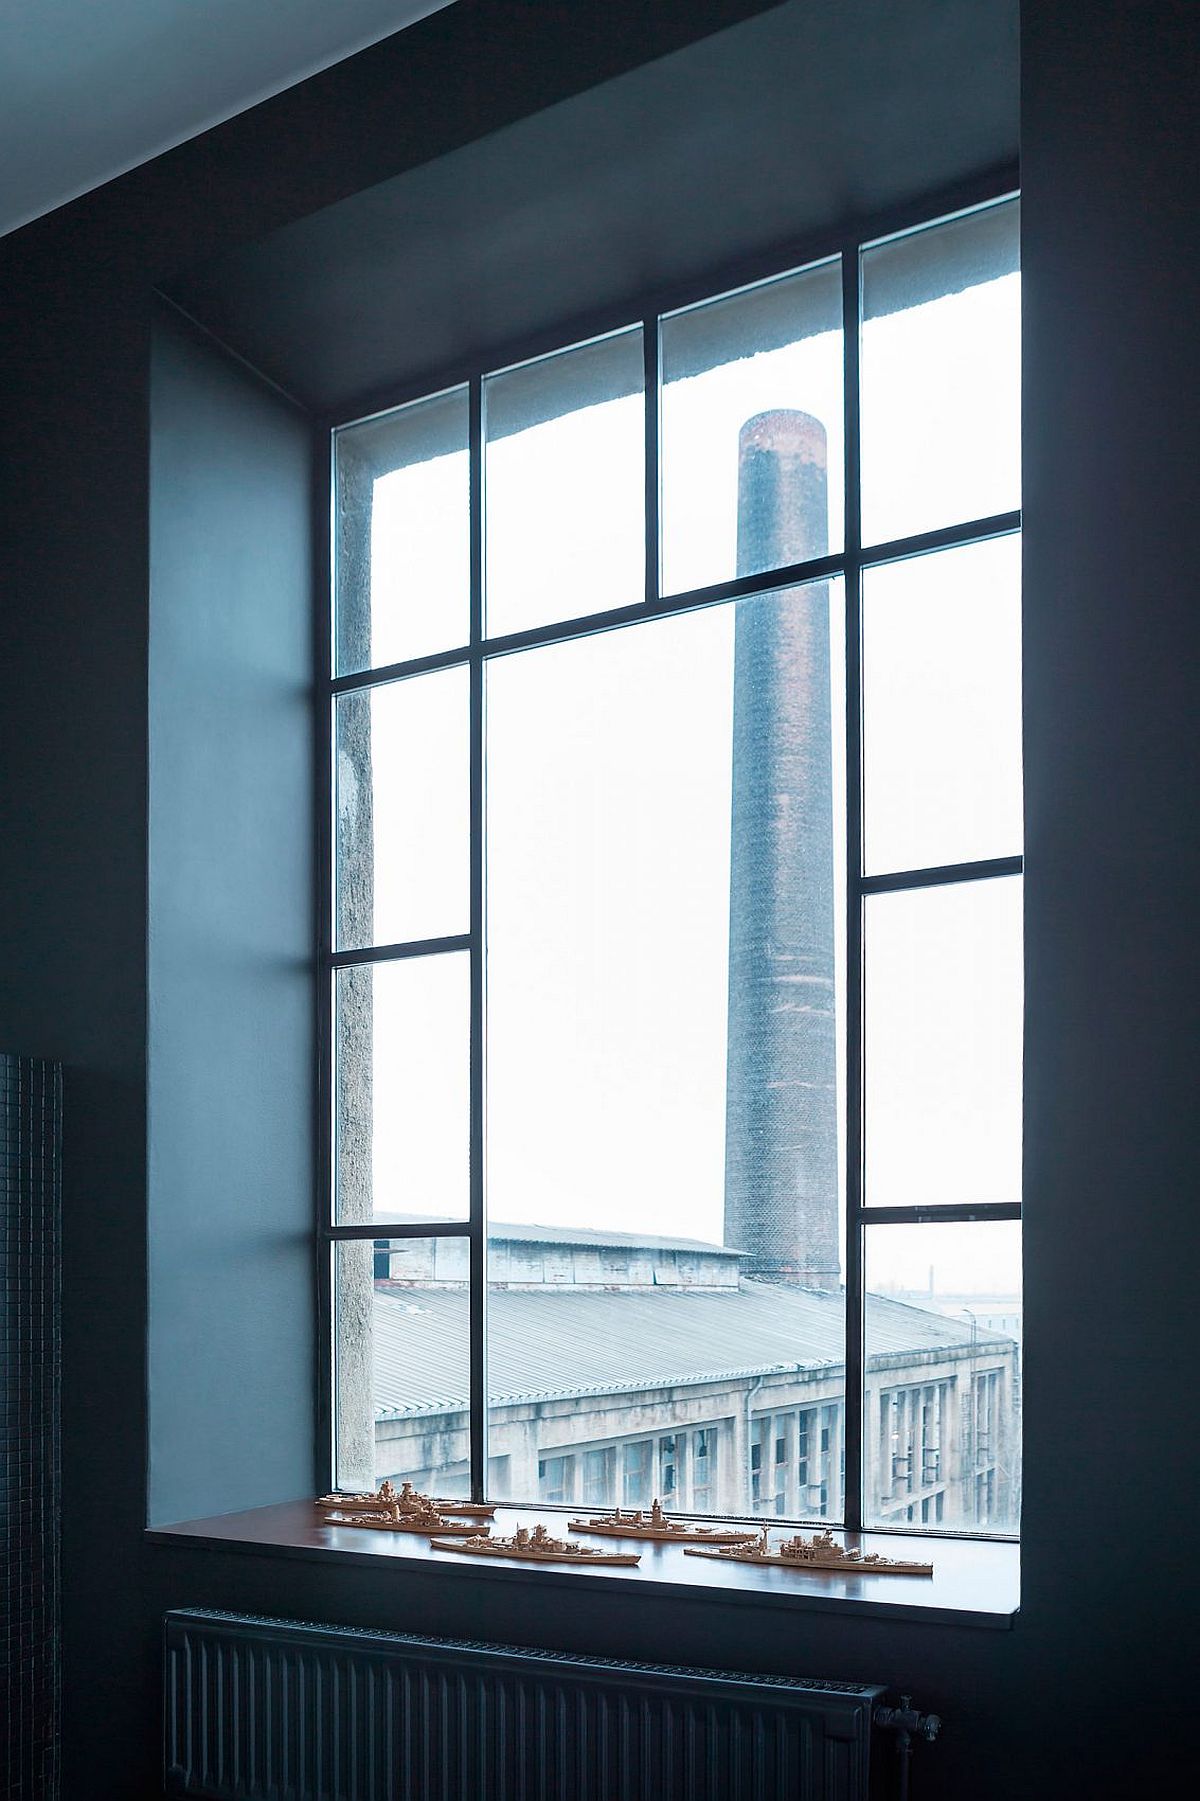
(976, 1582)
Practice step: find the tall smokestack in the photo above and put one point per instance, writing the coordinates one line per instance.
(781, 1162)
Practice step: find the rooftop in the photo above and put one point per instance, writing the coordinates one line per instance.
(500, 1232)
(547, 1343)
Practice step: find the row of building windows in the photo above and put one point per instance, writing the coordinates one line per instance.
(925, 1472)
(677, 1468)
(797, 1462)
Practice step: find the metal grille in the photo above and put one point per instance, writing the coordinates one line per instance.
(267, 1709)
(30, 1132)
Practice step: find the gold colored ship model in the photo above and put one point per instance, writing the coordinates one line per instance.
(660, 1527)
(407, 1499)
(393, 1511)
(534, 1546)
(816, 1553)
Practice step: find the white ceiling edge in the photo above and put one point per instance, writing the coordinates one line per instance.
(48, 76)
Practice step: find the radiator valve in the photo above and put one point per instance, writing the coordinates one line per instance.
(907, 1722)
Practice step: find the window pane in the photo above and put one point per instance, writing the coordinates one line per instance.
(942, 1407)
(942, 1044)
(566, 500)
(402, 535)
(403, 813)
(663, 1128)
(941, 375)
(942, 708)
(752, 430)
(402, 1093)
(401, 1365)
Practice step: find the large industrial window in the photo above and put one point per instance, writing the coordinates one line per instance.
(674, 934)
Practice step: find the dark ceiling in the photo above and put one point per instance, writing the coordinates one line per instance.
(760, 136)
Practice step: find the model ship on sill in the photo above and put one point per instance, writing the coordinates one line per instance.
(534, 1546)
(407, 1498)
(403, 1512)
(816, 1553)
(661, 1527)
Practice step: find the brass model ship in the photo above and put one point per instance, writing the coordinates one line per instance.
(407, 1498)
(816, 1553)
(660, 1527)
(534, 1546)
(399, 1513)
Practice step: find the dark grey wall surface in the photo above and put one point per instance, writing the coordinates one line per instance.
(1087, 1694)
(1112, 774)
(30, 1438)
(231, 1006)
(805, 115)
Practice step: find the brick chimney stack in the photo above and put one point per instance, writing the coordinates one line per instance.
(781, 1143)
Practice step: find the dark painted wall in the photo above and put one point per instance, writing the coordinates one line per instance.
(659, 180)
(1084, 1695)
(231, 1005)
(1112, 774)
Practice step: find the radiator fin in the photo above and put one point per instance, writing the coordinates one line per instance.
(269, 1710)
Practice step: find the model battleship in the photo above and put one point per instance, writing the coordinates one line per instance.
(660, 1527)
(400, 1513)
(534, 1546)
(816, 1553)
(407, 1498)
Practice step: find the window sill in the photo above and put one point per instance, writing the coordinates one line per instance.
(976, 1582)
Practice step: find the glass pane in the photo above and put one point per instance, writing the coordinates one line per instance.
(941, 375)
(401, 1364)
(752, 474)
(942, 708)
(403, 811)
(402, 535)
(402, 1090)
(942, 1406)
(565, 465)
(663, 1157)
(943, 996)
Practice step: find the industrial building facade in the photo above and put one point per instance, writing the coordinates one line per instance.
(623, 1371)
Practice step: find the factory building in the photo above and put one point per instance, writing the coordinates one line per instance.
(623, 1368)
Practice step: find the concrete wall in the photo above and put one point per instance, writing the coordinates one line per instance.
(230, 994)
(1083, 1696)
(431, 1449)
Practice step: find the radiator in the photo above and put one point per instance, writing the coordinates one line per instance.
(273, 1710)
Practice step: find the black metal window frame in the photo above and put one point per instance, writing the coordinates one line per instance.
(850, 564)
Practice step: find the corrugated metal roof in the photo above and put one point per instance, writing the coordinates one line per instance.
(554, 1343)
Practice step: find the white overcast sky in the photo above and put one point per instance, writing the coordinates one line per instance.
(608, 803)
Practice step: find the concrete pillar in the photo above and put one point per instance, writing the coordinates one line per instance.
(959, 1442)
(354, 1407)
(781, 1165)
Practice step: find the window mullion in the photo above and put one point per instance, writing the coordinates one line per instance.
(935, 1214)
(943, 537)
(984, 869)
(323, 504)
(851, 312)
(742, 587)
(381, 675)
(392, 953)
(478, 1226)
(397, 1229)
(650, 355)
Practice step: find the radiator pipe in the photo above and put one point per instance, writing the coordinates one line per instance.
(906, 1722)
